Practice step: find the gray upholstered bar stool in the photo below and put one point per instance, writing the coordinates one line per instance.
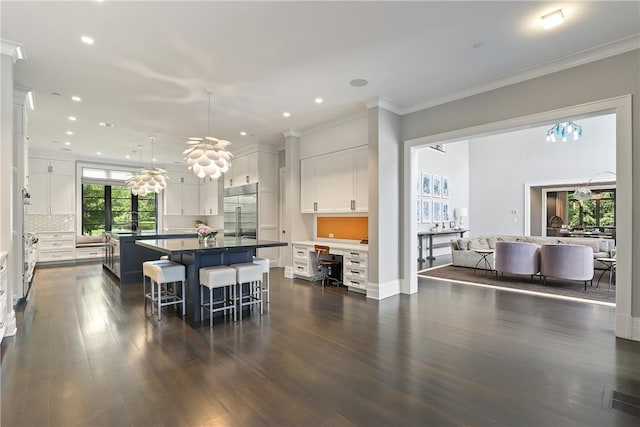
(265, 264)
(163, 274)
(252, 274)
(216, 278)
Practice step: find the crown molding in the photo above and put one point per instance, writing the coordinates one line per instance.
(382, 102)
(290, 132)
(12, 49)
(20, 95)
(255, 148)
(355, 115)
(580, 58)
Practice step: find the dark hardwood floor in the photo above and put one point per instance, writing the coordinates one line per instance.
(86, 355)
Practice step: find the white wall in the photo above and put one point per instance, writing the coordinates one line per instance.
(454, 164)
(500, 165)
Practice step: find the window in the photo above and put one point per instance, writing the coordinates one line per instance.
(598, 212)
(114, 208)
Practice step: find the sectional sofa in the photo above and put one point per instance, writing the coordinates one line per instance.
(464, 255)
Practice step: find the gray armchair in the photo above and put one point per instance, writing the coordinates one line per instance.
(569, 262)
(517, 258)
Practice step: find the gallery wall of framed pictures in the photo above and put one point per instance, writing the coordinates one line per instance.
(433, 199)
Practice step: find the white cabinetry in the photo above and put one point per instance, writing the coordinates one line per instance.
(354, 269)
(303, 265)
(244, 170)
(335, 183)
(181, 197)
(208, 196)
(56, 246)
(52, 186)
(4, 295)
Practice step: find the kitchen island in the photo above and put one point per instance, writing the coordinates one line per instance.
(195, 255)
(124, 259)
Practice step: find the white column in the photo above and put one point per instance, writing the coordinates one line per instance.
(292, 195)
(384, 202)
(7, 178)
(18, 171)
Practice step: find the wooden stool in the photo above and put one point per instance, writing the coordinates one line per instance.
(215, 278)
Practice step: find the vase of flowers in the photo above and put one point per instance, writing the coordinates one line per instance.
(205, 234)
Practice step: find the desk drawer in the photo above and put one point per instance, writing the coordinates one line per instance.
(56, 244)
(357, 255)
(301, 268)
(356, 283)
(354, 273)
(301, 251)
(355, 262)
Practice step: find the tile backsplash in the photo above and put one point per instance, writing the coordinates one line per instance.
(181, 221)
(36, 222)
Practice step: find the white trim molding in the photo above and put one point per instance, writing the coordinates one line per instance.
(13, 49)
(384, 290)
(621, 106)
(382, 102)
(288, 272)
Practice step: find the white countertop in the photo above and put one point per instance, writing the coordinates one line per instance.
(334, 244)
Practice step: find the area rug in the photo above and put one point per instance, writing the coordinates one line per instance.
(566, 288)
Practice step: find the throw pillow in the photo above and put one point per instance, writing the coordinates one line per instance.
(463, 245)
(604, 246)
(492, 242)
(562, 242)
(479, 243)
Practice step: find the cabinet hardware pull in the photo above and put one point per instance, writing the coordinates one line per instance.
(355, 272)
(230, 182)
(1, 325)
(247, 179)
(315, 206)
(355, 262)
(1, 293)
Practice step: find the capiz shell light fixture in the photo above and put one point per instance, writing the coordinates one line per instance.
(150, 180)
(208, 155)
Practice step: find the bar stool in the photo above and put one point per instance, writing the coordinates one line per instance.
(252, 274)
(215, 278)
(163, 272)
(265, 264)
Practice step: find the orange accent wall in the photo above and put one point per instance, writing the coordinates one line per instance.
(343, 227)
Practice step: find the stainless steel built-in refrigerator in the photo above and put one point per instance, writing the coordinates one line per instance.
(241, 211)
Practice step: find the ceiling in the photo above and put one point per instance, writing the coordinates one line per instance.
(152, 61)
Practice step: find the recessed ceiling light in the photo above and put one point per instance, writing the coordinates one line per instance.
(99, 153)
(552, 19)
(67, 143)
(56, 141)
(74, 98)
(106, 125)
(127, 156)
(358, 82)
(286, 114)
(86, 40)
(72, 118)
(69, 132)
(319, 100)
(55, 94)
(477, 45)
(243, 133)
(153, 160)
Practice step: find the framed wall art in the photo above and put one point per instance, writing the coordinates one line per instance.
(445, 211)
(426, 211)
(445, 187)
(437, 211)
(419, 212)
(437, 186)
(427, 186)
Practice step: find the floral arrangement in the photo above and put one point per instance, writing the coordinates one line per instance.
(204, 231)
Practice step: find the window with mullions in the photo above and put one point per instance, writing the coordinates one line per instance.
(599, 211)
(114, 208)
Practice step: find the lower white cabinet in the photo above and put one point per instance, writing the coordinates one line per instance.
(90, 252)
(354, 263)
(56, 246)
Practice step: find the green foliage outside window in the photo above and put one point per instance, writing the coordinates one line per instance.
(593, 212)
(114, 208)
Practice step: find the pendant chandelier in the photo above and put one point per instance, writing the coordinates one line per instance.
(150, 180)
(584, 193)
(208, 155)
(563, 131)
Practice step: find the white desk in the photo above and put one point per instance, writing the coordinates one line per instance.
(354, 262)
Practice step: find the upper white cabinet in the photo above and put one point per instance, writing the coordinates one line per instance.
(52, 186)
(244, 170)
(208, 196)
(335, 183)
(181, 197)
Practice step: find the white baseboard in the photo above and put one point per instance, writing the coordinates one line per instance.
(11, 328)
(628, 327)
(288, 271)
(384, 290)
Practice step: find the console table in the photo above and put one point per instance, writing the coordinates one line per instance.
(430, 234)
